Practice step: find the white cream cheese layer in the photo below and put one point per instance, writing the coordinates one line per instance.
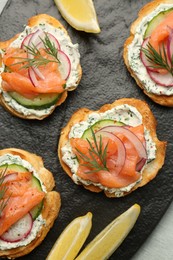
(134, 55)
(39, 221)
(126, 114)
(66, 46)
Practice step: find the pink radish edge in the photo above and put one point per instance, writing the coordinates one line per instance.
(119, 163)
(165, 80)
(133, 138)
(65, 64)
(19, 230)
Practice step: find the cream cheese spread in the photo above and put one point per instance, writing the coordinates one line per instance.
(37, 225)
(39, 221)
(66, 46)
(126, 114)
(134, 55)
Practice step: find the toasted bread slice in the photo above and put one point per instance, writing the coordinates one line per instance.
(163, 100)
(52, 202)
(33, 21)
(151, 169)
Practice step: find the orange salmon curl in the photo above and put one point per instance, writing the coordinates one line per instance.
(161, 33)
(16, 77)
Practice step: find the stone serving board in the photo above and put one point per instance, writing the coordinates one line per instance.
(105, 79)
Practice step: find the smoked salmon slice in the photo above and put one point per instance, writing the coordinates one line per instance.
(16, 77)
(110, 177)
(161, 32)
(18, 207)
(21, 197)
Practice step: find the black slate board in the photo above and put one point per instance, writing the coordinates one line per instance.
(105, 78)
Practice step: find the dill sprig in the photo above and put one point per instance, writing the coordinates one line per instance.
(38, 59)
(3, 189)
(97, 159)
(50, 47)
(158, 59)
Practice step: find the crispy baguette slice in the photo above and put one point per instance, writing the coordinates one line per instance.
(147, 9)
(33, 21)
(52, 202)
(149, 122)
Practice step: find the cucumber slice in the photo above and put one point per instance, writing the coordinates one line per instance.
(35, 212)
(156, 21)
(42, 101)
(100, 124)
(36, 183)
(14, 167)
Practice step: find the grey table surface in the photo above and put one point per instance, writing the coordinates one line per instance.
(159, 244)
(2, 5)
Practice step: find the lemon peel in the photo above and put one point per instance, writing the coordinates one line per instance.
(79, 14)
(71, 239)
(110, 238)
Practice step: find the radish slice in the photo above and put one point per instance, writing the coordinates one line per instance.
(26, 41)
(129, 135)
(165, 80)
(35, 39)
(54, 41)
(149, 64)
(39, 35)
(140, 164)
(65, 64)
(10, 177)
(144, 59)
(38, 73)
(19, 230)
(51, 38)
(33, 77)
(119, 163)
(161, 79)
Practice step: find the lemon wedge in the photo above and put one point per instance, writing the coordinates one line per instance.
(108, 240)
(71, 239)
(80, 14)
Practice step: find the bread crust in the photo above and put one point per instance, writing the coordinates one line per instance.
(52, 202)
(33, 21)
(147, 9)
(149, 122)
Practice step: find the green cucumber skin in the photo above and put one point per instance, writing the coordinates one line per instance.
(36, 183)
(98, 125)
(35, 212)
(42, 101)
(14, 167)
(155, 22)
